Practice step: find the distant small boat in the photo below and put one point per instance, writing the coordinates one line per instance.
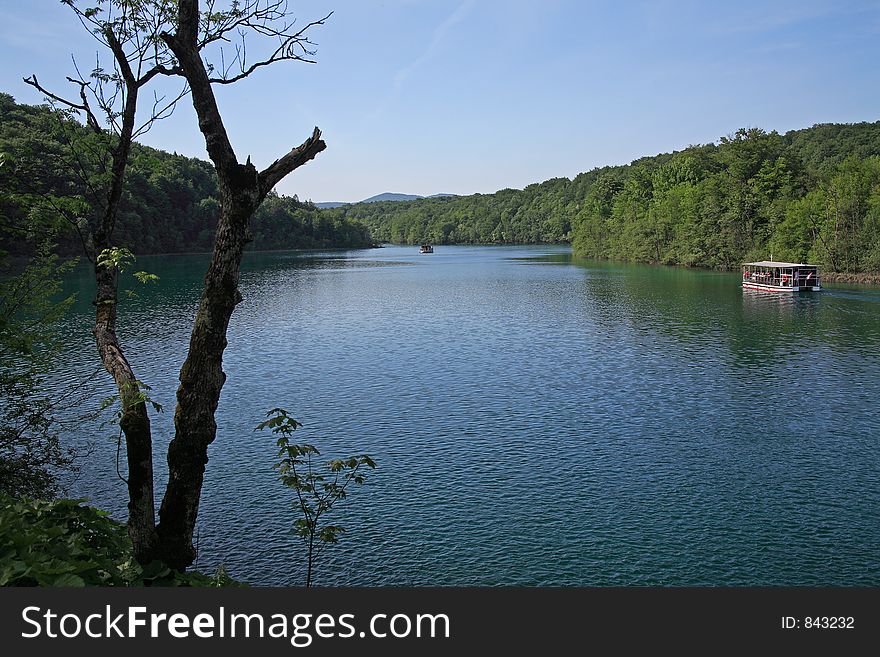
(770, 276)
(426, 248)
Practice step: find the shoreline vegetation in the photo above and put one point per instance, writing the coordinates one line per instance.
(864, 278)
(170, 203)
(810, 195)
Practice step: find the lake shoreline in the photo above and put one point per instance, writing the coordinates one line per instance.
(857, 278)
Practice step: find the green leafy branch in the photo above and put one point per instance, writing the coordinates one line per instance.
(120, 259)
(144, 277)
(116, 257)
(317, 490)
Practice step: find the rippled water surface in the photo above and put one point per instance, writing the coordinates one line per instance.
(536, 420)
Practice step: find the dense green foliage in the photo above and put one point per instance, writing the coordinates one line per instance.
(539, 213)
(65, 543)
(811, 194)
(61, 543)
(52, 172)
(282, 222)
(754, 195)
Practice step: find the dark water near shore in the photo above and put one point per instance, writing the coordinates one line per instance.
(536, 420)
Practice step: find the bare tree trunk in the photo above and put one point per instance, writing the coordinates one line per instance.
(135, 423)
(242, 189)
(201, 380)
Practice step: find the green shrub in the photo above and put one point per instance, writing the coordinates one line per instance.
(66, 543)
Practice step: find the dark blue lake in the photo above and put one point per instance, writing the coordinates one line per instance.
(537, 420)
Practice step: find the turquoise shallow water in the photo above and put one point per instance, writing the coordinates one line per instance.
(536, 420)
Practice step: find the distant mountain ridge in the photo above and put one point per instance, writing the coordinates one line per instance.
(391, 196)
(385, 196)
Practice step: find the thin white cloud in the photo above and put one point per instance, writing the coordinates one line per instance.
(401, 76)
(439, 35)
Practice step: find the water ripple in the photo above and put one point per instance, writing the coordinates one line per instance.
(536, 421)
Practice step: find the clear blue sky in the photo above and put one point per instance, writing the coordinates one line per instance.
(428, 96)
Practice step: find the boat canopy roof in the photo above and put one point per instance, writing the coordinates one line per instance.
(771, 263)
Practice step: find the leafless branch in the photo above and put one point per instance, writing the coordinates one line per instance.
(266, 21)
(160, 70)
(79, 107)
(162, 109)
(106, 102)
(272, 175)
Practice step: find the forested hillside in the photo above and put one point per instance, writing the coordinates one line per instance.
(811, 194)
(49, 168)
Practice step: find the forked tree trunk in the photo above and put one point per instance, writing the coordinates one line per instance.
(242, 189)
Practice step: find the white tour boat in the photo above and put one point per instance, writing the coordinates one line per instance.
(771, 276)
